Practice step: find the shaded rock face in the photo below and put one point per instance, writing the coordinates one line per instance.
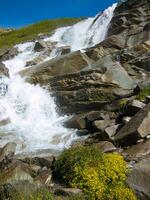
(130, 19)
(7, 53)
(137, 128)
(139, 179)
(3, 70)
(24, 175)
(89, 90)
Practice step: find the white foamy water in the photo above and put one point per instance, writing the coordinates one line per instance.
(33, 121)
(86, 33)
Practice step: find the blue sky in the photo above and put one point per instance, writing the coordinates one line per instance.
(18, 13)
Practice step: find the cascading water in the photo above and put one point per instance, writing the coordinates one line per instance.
(86, 33)
(30, 110)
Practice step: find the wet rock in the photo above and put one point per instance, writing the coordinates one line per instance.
(39, 46)
(36, 61)
(4, 122)
(8, 53)
(64, 50)
(137, 128)
(3, 70)
(139, 178)
(82, 132)
(68, 191)
(76, 122)
(65, 64)
(8, 150)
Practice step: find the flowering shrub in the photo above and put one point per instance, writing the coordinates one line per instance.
(100, 176)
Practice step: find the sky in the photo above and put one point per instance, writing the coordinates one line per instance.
(18, 13)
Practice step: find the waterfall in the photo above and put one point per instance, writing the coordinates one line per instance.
(86, 33)
(33, 121)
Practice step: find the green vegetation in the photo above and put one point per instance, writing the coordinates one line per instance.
(100, 176)
(30, 32)
(144, 93)
(101, 96)
(40, 194)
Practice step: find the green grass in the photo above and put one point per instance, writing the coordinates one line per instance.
(144, 93)
(30, 32)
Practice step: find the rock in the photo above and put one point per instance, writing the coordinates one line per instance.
(147, 27)
(114, 41)
(40, 161)
(36, 61)
(3, 70)
(39, 46)
(101, 125)
(139, 178)
(137, 128)
(105, 146)
(133, 107)
(20, 176)
(65, 49)
(68, 191)
(8, 53)
(65, 64)
(4, 122)
(141, 85)
(121, 93)
(112, 130)
(96, 115)
(8, 150)
(82, 132)
(76, 122)
(115, 73)
(138, 151)
(129, 20)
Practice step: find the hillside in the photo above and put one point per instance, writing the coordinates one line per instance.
(30, 32)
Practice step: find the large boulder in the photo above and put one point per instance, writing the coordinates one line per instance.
(138, 151)
(137, 128)
(139, 178)
(65, 64)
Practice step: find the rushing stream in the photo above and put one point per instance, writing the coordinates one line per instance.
(29, 111)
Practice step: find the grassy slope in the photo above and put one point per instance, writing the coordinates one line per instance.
(30, 32)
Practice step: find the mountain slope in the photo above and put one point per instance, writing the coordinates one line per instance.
(30, 32)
